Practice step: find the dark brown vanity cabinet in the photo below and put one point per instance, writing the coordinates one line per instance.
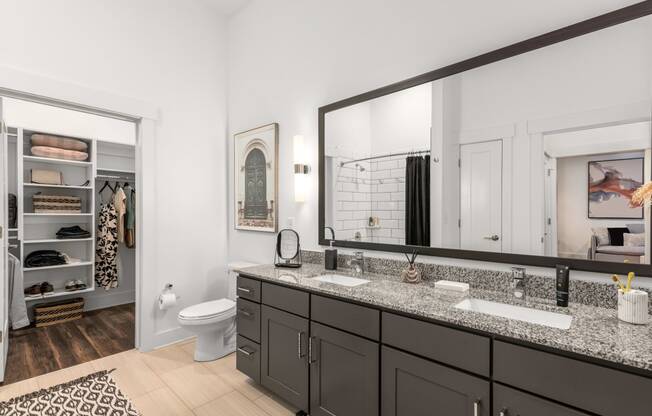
(332, 357)
(412, 386)
(284, 347)
(511, 402)
(343, 373)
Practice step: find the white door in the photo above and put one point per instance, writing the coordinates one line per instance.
(481, 194)
(4, 299)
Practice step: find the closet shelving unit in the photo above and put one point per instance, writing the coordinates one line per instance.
(37, 231)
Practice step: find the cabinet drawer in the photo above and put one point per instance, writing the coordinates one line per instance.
(346, 316)
(573, 382)
(286, 299)
(248, 289)
(247, 358)
(248, 319)
(510, 402)
(449, 346)
(413, 386)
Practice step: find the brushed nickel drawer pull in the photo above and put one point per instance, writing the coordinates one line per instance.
(245, 352)
(245, 313)
(311, 354)
(476, 407)
(244, 289)
(299, 346)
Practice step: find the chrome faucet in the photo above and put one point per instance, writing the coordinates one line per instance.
(357, 263)
(518, 283)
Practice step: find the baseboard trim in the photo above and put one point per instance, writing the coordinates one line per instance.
(109, 299)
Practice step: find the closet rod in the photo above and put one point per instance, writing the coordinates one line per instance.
(114, 177)
(417, 152)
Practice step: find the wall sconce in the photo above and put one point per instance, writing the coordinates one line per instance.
(301, 169)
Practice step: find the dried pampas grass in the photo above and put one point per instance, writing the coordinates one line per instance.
(642, 195)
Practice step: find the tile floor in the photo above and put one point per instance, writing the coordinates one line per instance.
(168, 382)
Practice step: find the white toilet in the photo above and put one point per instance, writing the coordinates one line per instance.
(214, 321)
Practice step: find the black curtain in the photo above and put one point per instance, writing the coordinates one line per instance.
(417, 201)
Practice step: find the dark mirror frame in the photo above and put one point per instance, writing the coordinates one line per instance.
(604, 21)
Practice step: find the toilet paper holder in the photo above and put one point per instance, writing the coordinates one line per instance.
(168, 288)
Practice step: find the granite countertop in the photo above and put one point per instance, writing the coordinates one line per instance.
(595, 332)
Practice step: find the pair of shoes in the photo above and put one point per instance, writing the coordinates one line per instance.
(73, 285)
(39, 289)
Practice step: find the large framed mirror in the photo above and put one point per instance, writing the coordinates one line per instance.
(528, 154)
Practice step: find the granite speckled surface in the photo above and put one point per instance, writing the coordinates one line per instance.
(594, 332)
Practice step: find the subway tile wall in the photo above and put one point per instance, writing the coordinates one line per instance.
(365, 189)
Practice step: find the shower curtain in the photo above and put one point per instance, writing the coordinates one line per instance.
(417, 201)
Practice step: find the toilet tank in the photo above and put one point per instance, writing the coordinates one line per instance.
(231, 277)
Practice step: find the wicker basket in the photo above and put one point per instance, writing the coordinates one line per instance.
(52, 313)
(55, 204)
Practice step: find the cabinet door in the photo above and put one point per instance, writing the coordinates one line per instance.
(284, 362)
(412, 386)
(510, 402)
(343, 373)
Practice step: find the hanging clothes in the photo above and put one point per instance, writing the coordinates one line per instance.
(119, 201)
(17, 306)
(130, 217)
(106, 253)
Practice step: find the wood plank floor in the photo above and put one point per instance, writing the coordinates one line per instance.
(36, 351)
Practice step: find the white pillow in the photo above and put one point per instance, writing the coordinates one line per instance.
(603, 235)
(633, 240)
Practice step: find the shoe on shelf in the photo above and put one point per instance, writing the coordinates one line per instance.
(73, 285)
(46, 288)
(33, 290)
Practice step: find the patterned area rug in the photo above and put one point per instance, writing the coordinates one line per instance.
(94, 394)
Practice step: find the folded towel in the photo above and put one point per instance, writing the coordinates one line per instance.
(60, 142)
(56, 153)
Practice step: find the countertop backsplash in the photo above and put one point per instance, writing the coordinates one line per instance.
(539, 286)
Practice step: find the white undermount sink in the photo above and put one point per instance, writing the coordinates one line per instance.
(520, 313)
(342, 280)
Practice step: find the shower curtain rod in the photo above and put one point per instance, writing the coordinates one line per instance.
(416, 152)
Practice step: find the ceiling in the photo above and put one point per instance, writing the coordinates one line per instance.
(226, 7)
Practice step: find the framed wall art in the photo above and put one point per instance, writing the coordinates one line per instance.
(256, 179)
(610, 188)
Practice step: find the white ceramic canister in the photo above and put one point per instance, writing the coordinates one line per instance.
(633, 306)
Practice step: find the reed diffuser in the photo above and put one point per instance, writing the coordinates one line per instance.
(411, 274)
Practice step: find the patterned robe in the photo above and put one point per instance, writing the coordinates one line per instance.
(106, 252)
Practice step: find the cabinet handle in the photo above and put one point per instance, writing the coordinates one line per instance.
(299, 346)
(310, 351)
(245, 352)
(503, 412)
(245, 313)
(476, 408)
(244, 289)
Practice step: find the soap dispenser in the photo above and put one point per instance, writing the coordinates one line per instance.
(330, 258)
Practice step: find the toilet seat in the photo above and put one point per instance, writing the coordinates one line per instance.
(213, 311)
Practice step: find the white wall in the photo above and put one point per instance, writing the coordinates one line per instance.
(400, 122)
(170, 53)
(289, 57)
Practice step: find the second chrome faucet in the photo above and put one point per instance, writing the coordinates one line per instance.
(518, 283)
(357, 263)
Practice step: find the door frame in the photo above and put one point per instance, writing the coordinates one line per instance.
(43, 90)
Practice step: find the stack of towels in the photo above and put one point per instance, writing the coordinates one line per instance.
(57, 147)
